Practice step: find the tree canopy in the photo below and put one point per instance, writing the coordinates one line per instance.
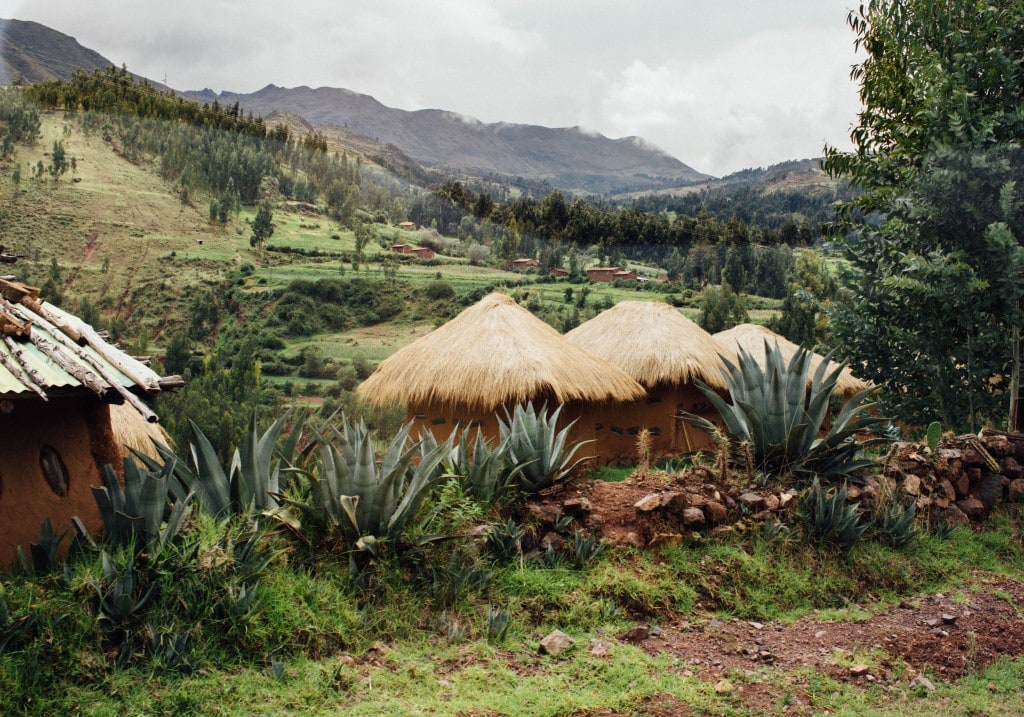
(934, 234)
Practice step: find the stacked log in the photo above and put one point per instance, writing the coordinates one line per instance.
(964, 478)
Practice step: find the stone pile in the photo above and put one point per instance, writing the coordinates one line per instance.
(963, 480)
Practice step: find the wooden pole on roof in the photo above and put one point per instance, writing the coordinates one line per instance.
(88, 335)
(18, 370)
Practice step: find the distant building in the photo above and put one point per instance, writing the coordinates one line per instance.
(610, 274)
(407, 226)
(602, 273)
(422, 252)
(557, 272)
(524, 264)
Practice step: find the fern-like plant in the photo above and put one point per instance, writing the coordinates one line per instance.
(773, 411)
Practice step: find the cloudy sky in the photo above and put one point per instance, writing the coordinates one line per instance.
(720, 84)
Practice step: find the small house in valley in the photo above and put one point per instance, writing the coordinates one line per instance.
(664, 352)
(493, 356)
(524, 264)
(407, 226)
(58, 378)
(602, 273)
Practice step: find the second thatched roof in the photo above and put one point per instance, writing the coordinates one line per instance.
(133, 432)
(492, 354)
(653, 343)
(751, 338)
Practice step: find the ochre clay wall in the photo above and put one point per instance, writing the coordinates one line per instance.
(613, 428)
(78, 429)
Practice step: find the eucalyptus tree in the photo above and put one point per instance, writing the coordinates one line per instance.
(934, 234)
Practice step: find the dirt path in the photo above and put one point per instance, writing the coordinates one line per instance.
(937, 636)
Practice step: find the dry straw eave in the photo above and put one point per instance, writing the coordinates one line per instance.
(495, 353)
(751, 338)
(654, 343)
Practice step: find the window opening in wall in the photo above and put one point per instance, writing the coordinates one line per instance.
(54, 470)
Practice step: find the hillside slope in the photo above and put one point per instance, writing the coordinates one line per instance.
(30, 52)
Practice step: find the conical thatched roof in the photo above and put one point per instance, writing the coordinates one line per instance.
(495, 353)
(751, 338)
(653, 343)
(133, 432)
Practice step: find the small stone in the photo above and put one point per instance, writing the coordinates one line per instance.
(693, 518)
(756, 625)
(963, 484)
(1016, 491)
(752, 502)
(722, 530)
(912, 485)
(931, 622)
(947, 490)
(859, 670)
(688, 673)
(723, 687)
(853, 493)
(599, 648)
(555, 643)
(820, 634)
(786, 498)
(636, 634)
(665, 540)
(771, 503)
(972, 507)
(656, 632)
(948, 453)
(347, 660)
(949, 618)
(444, 683)
(991, 687)
(648, 503)
(715, 512)
(939, 632)
(922, 683)
(954, 516)
(578, 504)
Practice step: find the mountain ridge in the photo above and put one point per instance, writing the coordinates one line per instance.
(569, 158)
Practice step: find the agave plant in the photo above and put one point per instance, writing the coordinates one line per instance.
(537, 449)
(781, 419)
(363, 500)
(484, 470)
(251, 484)
(144, 515)
(828, 518)
(44, 556)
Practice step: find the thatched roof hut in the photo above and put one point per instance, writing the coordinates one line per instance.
(751, 338)
(134, 433)
(653, 343)
(495, 353)
(665, 352)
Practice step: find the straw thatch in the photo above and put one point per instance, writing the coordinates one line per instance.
(751, 338)
(492, 354)
(654, 343)
(133, 432)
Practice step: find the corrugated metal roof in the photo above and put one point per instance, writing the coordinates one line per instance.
(44, 349)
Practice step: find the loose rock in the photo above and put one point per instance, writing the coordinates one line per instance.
(555, 643)
(648, 503)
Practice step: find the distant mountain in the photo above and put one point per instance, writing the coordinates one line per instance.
(571, 158)
(30, 52)
(568, 158)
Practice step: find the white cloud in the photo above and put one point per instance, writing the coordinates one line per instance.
(721, 85)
